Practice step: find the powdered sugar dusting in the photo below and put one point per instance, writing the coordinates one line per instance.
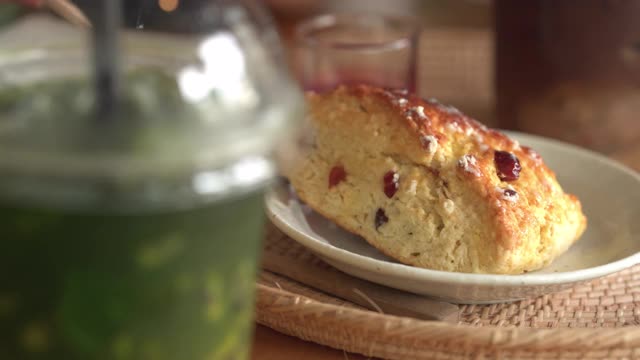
(453, 126)
(430, 143)
(516, 145)
(449, 206)
(450, 110)
(469, 164)
(479, 139)
(402, 101)
(413, 185)
(389, 94)
(446, 108)
(416, 111)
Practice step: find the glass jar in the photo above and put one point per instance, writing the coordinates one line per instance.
(138, 238)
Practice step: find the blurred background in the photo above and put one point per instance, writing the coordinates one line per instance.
(568, 69)
(455, 52)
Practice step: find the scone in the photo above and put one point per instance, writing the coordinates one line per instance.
(430, 187)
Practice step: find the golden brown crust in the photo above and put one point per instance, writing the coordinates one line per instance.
(440, 119)
(523, 223)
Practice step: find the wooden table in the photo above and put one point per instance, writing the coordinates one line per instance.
(271, 345)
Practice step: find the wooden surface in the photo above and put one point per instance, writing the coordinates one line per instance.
(272, 345)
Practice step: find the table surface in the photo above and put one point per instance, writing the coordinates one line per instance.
(269, 344)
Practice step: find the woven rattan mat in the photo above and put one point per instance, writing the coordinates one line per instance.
(595, 320)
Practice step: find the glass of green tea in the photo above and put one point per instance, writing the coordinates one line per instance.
(138, 237)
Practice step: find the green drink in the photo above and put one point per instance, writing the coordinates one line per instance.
(172, 284)
(137, 238)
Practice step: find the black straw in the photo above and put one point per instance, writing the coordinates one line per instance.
(106, 25)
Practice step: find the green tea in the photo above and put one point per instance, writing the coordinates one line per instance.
(119, 263)
(167, 285)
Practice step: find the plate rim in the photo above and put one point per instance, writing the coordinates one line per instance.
(399, 270)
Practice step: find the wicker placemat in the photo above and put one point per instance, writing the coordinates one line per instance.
(590, 321)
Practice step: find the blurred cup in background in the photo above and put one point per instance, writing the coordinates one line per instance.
(371, 49)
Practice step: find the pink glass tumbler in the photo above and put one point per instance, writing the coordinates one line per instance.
(357, 49)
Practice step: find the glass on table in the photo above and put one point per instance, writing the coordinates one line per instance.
(353, 49)
(138, 237)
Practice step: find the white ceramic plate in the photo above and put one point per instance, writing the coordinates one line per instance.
(610, 195)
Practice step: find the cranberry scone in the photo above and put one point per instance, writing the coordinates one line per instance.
(429, 186)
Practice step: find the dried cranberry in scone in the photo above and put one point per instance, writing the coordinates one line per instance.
(336, 175)
(390, 183)
(381, 218)
(507, 166)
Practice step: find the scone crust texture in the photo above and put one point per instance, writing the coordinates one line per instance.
(448, 210)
